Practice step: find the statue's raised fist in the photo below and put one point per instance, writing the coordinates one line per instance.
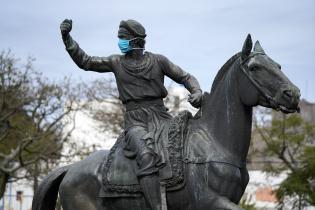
(66, 27)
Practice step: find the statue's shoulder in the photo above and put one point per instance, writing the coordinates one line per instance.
(157, 57)
(115, 58)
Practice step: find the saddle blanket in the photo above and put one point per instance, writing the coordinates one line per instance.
(119, 173)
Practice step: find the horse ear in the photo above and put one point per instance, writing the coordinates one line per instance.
(247, 47)
(258, 48)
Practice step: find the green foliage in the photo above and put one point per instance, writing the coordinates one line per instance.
(246, 204)
(21, 127)
(33, 115)
(291, 140)
(297, 183)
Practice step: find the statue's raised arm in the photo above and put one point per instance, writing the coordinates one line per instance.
(83, 60)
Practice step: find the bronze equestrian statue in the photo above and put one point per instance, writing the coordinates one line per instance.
(215, 141)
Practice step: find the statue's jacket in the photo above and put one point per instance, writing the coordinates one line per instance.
(141, 89)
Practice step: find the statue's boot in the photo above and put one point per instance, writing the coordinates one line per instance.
(150, 186)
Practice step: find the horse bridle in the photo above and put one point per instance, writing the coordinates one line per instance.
(270, 100)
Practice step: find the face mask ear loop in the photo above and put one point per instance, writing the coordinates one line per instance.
(136, 48)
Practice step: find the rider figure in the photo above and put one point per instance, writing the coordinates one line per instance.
(140, 82)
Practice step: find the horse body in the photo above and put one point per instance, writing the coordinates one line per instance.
(81, 186)
(216, 146)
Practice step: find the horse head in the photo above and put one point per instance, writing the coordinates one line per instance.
(263, 81)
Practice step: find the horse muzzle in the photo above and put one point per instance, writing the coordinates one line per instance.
(287, 99)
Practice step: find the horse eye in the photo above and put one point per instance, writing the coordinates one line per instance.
(255, 68)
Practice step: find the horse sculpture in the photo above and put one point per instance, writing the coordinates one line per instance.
(216, 144)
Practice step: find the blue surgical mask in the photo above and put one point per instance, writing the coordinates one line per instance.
(124, 45)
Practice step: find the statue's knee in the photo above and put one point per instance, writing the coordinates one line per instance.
(146, 159)
(135, 131)
(147, 164)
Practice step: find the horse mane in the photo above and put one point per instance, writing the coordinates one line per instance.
(224, 69)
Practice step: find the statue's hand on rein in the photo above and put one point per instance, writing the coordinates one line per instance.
(65, 27)
(195, 98)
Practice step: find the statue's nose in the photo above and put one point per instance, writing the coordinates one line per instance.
(292, 94)
(288, 93)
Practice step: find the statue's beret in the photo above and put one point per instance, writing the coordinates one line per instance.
(134, 27)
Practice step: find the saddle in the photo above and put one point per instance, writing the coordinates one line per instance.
(118, 172)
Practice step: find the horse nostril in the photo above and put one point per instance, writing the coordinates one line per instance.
(288, 93)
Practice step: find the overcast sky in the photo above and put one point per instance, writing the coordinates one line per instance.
(197, 35)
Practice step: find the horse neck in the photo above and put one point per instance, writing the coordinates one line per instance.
(227, 120)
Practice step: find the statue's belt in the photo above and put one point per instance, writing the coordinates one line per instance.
(133, 105)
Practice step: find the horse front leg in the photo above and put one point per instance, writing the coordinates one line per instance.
(227, 180)
(207, 199)
(210, 200)
(201, 182)
(220, 202)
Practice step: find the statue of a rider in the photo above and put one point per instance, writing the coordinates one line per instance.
(140, 80)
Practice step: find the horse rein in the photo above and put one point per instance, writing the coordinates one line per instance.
(272, 102)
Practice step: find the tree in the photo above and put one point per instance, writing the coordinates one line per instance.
(33, 115)
(290, 140)
(104, 104)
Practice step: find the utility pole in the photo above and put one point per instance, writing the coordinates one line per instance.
(10, 193)
(19, 198)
